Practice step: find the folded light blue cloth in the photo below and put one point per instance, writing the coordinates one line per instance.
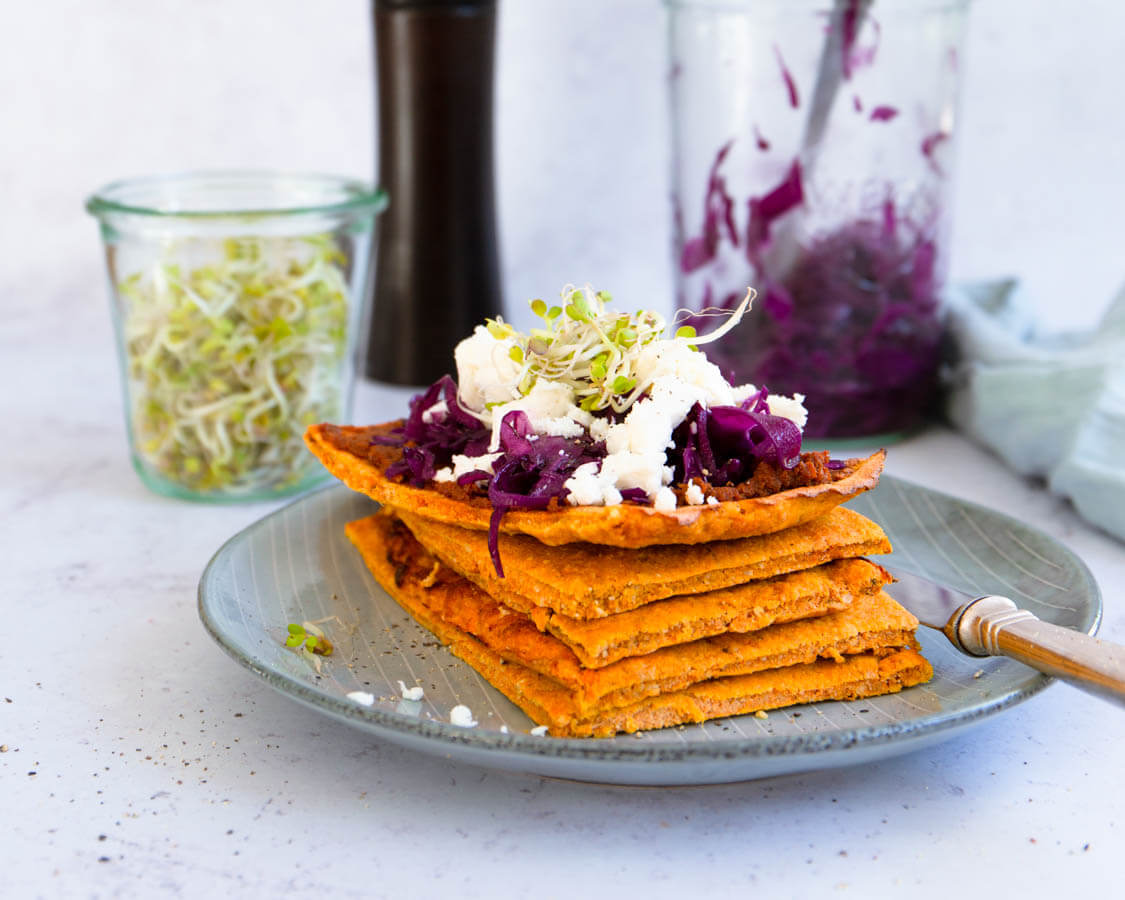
(1049, 405)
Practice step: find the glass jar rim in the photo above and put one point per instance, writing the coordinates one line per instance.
(133, 196)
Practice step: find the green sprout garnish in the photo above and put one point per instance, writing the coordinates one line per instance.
(593, 350)
(228, 362)
(311, 637)
(308, 641)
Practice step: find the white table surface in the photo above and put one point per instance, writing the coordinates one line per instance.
(141, 761)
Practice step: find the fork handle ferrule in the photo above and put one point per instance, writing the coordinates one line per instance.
(995, 626)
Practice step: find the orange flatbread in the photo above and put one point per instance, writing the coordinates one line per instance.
(587, 581)
(546, 702)
(506, 646)
(737, 610)
(624, 525)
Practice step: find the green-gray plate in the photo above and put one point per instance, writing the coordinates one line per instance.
(297, 565)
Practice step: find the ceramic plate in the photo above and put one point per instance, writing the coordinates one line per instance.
(296, 565)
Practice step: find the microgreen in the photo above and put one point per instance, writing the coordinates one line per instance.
(592, 349)
(307, 638)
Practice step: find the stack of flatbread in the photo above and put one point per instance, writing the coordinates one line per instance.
(619, 619)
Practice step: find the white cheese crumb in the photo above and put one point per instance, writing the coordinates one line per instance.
(462, 716)
(485, 372)
(694, 494)
(791, 408)
(665, 500)
(411, 693)
(362, 697)
(539, 730)
(712, 501)
(550, 409)
(463, 465)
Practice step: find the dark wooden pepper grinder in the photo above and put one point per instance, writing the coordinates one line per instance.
(437, 264)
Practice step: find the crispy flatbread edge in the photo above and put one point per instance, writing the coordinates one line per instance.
(467, 555)
(625, 525)
(549, 703)
(863, 675)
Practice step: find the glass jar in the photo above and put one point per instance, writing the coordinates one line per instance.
(235, 299)
(813, 144)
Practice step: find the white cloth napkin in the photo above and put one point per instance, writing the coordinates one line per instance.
(1049, 405)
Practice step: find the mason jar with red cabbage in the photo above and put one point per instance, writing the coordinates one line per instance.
(812, 153)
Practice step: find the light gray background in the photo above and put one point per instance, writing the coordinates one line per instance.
(92, 91)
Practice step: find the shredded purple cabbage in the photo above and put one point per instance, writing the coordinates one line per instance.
(532, 471)
(724, 444)
(787, 76)
(853, 55)
(853, 324)
(718, 213)
(429, 446)
(854, 327)
(929, 144)
(788, 195)
(883, 113)
(761, 142)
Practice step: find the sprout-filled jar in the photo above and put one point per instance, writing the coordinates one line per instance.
(812, 153)
(235, 299)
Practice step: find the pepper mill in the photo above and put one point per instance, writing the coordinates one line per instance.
(437, 264)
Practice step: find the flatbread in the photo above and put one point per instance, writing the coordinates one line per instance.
(624, 525)
(508, 645)
(738, 610)
(587, 581)
(862, 675)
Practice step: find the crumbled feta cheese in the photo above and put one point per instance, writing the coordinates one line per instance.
(694, 494)
(463, 465)
(587, 487)
(550, 409)
(362, 697)
(599, 428)
(712, 501)
(675, 361)
(665, 500)
(411, 693)
(485, 372)
(539, 730)
(462, 716)
(791, 408)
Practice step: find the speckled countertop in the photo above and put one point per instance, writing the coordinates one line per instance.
(138, 760)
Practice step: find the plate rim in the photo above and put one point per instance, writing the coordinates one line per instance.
(396, 726)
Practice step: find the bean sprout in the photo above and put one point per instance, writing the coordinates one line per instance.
(229, 362)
